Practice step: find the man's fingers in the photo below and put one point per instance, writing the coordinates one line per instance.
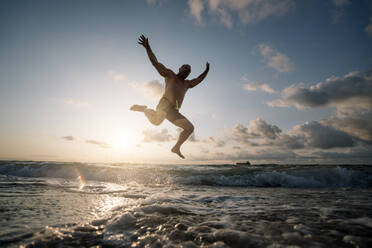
(142, 40)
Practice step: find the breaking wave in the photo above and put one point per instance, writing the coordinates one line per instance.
(291, 176)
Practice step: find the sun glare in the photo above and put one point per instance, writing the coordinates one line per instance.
(121, 141)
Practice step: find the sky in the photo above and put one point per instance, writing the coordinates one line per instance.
(289, 81)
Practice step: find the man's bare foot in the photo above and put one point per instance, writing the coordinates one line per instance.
(139, 108)
(177, 151)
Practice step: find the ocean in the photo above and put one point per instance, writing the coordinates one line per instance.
(57, 204)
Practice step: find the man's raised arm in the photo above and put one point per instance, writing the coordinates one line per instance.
(201, 77)
(164, 71)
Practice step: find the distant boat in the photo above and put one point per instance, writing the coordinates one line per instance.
(243, 163)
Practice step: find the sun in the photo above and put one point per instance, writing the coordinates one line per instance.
(121, 141)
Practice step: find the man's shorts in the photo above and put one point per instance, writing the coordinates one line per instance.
(172, 113)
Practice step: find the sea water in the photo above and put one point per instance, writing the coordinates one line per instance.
(50, 204)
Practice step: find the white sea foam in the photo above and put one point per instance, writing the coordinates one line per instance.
(121, 222)
(189, 215)
(331, 177)
(279, 176)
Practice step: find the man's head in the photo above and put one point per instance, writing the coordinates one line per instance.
(184, 71)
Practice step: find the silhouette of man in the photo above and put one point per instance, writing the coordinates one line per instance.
(176, 87)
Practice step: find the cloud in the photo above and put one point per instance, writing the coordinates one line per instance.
(155, 136)
(354, 89)
(289, 141)
(152, 88)
(241, 134)
(339, 11)
(352, 155)
(196, 8)
(224, 17)
(76, 102)
(318, 135)
(93, 142)
(204, 150)
(69, 138)
(310, 142)
(260, 128)
(357, 123)
(368, 29)
(155, 2)
(98, 143)
(116, 76)
(217, 142)
(351, 95)
(156, 88)
(254, 86)
(340, 2)
(356, 154)
(275, 59)
(312, 134)
(261, 134)
(264, 155)
(256, 129)
(256, 10)
(281, 63)
(247, 11)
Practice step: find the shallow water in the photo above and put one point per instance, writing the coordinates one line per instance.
(46, 204)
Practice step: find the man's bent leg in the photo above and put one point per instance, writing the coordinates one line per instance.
(188, 128)
(139, 108)
(155, 117)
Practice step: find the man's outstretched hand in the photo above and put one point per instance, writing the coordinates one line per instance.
(142, 40)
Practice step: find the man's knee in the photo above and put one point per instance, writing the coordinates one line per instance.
(189, 128)
(155, 117)
(192, 128)
(157, 121)
(185, 124)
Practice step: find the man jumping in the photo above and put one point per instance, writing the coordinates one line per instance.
(168, 107)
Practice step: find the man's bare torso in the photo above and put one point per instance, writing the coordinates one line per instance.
(175, 88)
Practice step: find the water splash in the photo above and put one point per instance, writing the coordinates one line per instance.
(81, 179)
